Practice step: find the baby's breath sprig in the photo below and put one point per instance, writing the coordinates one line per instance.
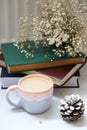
(57, 25)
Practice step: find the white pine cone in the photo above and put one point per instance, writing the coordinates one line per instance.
(72, 107)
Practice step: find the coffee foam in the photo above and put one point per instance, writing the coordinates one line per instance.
(35, 84)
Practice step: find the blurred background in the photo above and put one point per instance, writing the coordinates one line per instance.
(10, 11)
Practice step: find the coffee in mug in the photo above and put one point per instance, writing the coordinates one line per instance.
(35, 92)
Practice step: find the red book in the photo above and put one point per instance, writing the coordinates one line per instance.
(60, 75)
(2, 62)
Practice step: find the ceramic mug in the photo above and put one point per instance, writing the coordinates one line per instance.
(34, 91)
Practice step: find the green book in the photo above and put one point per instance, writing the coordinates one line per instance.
(16, 61)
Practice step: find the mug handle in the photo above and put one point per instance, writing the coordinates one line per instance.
(10, 101)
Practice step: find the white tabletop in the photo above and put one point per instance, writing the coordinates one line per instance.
(17, 119)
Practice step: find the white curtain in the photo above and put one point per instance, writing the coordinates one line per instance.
(10, 11)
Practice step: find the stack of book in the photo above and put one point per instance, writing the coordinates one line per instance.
(63, 70)
(62, 77)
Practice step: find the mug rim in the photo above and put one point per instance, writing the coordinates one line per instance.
(35, 75)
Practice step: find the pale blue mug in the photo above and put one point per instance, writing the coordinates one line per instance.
(35, 93)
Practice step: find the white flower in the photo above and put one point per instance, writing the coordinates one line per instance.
(48, 25)
(65, 38)
(58, 43)
(51, 41)
(57, 24)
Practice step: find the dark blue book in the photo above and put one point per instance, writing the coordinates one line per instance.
(4, 73)
(9, 79)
